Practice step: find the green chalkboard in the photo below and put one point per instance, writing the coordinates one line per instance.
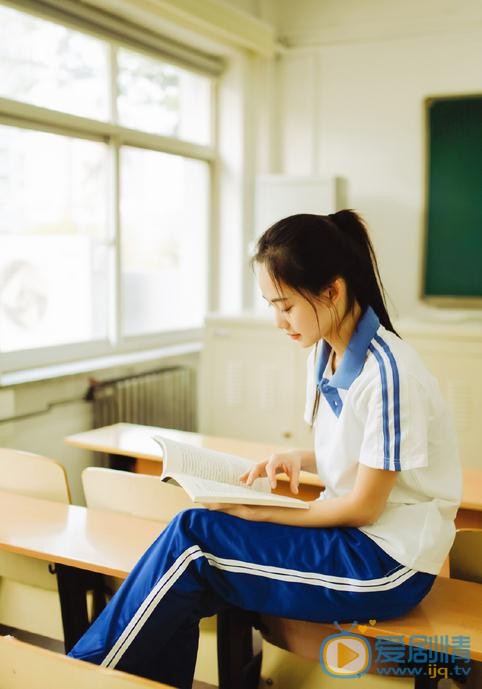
(453, 256)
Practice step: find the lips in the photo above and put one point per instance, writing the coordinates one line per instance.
(294, 336)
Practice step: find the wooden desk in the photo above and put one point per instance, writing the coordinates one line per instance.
(23, 665)
(447, 612)
(81, 540)
(135, 441)
(447, 596)
(93, 540)
(83, 544)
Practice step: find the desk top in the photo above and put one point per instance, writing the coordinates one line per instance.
(105, 542)
(133, 440)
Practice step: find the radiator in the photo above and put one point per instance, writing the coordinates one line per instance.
(165, 398)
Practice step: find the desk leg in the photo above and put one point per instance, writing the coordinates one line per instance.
(73, 586)
(426, 682)
(120, 463)
(238, 667)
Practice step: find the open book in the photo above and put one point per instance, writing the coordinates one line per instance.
(209, 476)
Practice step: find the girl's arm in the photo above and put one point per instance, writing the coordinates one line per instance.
(363, 505)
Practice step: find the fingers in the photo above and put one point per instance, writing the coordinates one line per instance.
(254, 473)
(262, 469)
(269, 468)
(271, 474)
(294, 479)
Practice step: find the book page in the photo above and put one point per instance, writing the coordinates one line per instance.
(180, 458)
(206, 491)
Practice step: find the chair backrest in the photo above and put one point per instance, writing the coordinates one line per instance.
(30, 474)
(466, 555)
(138, 494)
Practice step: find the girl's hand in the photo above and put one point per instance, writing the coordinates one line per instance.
(288, 462)
(255, 513)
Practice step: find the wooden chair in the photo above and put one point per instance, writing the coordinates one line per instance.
(23, 665)
(28, 590)
(148, 497)
(137, 494)
(27, 473)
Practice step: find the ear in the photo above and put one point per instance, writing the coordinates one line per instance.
(335, 290)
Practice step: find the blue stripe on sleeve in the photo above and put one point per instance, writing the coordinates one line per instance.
(396, 398)
(386, 429)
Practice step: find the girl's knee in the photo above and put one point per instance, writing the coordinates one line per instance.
(198, 522)
(189, 518)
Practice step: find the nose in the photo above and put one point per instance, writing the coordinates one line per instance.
(280, 320)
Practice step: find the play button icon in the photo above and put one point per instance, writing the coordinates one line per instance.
(345, 655)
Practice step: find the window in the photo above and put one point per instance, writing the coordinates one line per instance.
(54, 258)
(163, 244)
(106, 155)
(47, 64)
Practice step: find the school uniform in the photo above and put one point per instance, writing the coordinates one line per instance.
(206, 561)
(383, 408)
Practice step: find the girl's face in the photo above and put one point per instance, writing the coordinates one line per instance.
(294, 313)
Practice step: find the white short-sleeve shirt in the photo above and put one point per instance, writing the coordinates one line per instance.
(382, 408)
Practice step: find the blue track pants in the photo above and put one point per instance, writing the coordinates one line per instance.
(205, 561)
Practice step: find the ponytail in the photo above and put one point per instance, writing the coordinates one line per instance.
(367, 289)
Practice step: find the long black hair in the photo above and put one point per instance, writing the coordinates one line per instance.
(308, 252)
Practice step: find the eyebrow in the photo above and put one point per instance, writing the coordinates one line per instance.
(272, 301)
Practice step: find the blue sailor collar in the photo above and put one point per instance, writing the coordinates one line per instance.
(353, 359)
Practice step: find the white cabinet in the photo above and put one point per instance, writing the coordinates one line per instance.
(253, 382)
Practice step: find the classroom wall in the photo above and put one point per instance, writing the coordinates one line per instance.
(352, 82)
(46, 412)
(265, 10)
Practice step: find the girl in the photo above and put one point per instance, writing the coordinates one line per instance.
(371, 546)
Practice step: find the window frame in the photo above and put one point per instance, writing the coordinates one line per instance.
(27, 116)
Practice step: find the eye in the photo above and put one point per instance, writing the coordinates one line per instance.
(286, 310)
